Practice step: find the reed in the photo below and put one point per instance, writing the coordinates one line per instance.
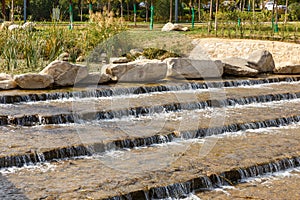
(29, 51)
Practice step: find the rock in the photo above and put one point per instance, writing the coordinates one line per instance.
(238, 67)
(33, 81)
(119, 60)
(136, 52)
(173, 27)
(141, 57)
(63, 56)
(287, 68)
(5, 25)
(184, 29)
(14, 27)
(5, 77)
(262, 61)
(64, 73)
(29, 26)
(96, 78)
(138, 71)
(194, 69)
(168, 27)
(8, 84)
(79, 59)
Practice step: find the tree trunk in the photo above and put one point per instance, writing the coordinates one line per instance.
(286, 9)
(108, 5)
(216, 18)
(79, 5)
(12, 11)
(210, 15)
(171, 10)
(276, 12)
(3, 9)
(128, 15)
(147, 11)
(199, 10)
(253, 8)
(121, 2)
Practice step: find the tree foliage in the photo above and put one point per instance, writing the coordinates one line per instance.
(41, 9)
(294, 11)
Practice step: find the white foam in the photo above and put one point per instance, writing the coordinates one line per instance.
(189, 197)
(43, 167)
(133, 96)
(267, 178)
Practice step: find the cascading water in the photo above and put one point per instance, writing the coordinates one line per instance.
(238, 101)
(110, 91)
(204, 183)
(31, 120)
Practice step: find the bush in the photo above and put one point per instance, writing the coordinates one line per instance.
(294, 11)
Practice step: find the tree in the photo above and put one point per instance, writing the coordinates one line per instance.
(171, 10)
(294, 10)
(41, 9)
(199, 10)
(3, 9)
(286, 10)
(210, 14)
(216, 18)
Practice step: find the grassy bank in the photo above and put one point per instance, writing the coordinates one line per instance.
(24, 51)
(29, 51)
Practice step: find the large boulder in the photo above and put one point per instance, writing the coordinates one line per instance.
(4, 77)
(287, 68)
(33, 81)
(138, 71)
(7, 82)
(96, 78)
(194, 69)
(64, 73)
(238, 67)
(173, 27)
(261, 60)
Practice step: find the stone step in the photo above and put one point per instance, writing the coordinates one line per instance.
(84, 91)
(171, 170)
(58, 112)
(23, 145)
(272, 186)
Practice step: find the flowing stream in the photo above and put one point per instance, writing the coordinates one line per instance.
(170, 140)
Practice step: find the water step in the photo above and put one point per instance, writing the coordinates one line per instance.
(204, 183)
(16, 96)
(172, 170)
(281, 185)
(70, 112)
(27, 145)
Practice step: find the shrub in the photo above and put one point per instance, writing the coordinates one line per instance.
(294, 11)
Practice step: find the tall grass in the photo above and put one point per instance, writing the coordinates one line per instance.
(30, 51)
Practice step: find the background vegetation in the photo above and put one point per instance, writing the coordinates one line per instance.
(28, 51)
(25, 50)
